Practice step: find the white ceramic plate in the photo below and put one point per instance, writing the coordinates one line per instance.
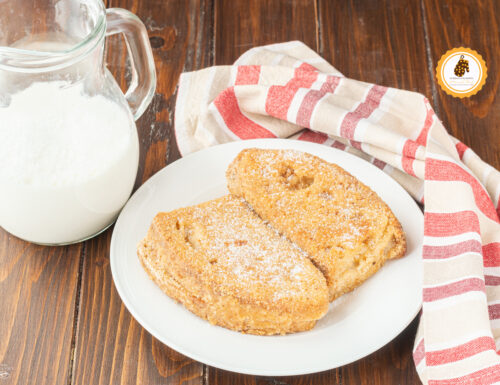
(357, 323)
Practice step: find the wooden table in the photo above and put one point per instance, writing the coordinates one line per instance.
(61, 320)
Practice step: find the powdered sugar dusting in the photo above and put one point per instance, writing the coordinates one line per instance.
(335, 215)
(345, 228)
(242, 248)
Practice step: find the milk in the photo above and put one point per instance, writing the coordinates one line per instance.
(68, 162)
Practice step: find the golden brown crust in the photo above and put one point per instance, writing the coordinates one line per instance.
(225, 265)
(344, 226)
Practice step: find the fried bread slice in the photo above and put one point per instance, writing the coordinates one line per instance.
(226, 265)
(346, 229)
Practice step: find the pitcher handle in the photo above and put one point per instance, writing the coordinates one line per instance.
(143, 83)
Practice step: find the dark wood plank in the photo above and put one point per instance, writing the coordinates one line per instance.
(384, 43)
(389, 365)
(38, 287)
(475, 25)
(374, 41)
(111, 347)
(241, 25)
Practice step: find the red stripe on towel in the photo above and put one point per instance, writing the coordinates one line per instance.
(449, 251)
(227, 105)
(247, 75)
(450, 224)
(312, 136)
(452, 289)
(362, 111)
(460, 352)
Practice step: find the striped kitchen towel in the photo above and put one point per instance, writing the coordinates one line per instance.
(288, 91)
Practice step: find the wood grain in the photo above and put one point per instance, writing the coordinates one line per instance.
(112, 348)
(61, 320)
(389, 365)
(475, 25)
(38, 286)
(241, 25)
(380, 42)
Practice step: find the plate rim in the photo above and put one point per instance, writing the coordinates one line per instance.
(280, 143)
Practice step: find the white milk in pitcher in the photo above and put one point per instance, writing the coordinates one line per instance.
(68, 162)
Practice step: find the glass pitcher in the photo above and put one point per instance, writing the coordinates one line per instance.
(68, 142)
